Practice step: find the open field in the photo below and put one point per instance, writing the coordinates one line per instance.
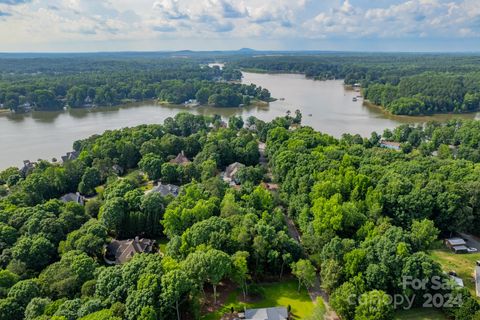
(462, 264)
(420, 314)
(276, 294)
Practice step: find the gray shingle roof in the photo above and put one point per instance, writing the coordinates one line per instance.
(275, 313)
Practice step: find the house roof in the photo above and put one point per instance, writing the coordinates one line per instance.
(180, 159)
(232, 169)
(390, 143)
(166, 189)
(460, 248)
(124, 250)
(71, 156)
(73, 197)
(456, 242)
(275, 313)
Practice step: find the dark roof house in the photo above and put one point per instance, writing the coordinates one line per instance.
(180, 159)
(458, 245)
(27, 167)
(276, 313)
(73, 197)
(453, 242)
(71, 156)
(166, 189)
(121, 251)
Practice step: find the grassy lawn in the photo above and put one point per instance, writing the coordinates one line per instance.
(420, 314)
(162, 244)
(276, 294)
(462, 264)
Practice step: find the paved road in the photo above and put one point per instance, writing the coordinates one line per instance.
(472, 241)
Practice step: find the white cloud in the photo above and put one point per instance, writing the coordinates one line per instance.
(61, 21)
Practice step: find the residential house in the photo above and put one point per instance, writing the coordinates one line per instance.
(180, 159)
(270, 186)
(71, 156)
(390, 145)
(457, 245)
(166, 189)
(73, 197)
(121, 251)
(117, 169)
(230, 172)
(27, 167)
(275, 313)
(88, 102)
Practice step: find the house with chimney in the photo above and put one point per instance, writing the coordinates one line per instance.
(180, 159)
(122, 251)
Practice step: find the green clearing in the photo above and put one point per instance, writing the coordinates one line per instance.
(420, 314)
(162, 244)
(275, 294)
(462, 264)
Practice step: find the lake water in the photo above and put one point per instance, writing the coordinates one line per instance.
(50, 134)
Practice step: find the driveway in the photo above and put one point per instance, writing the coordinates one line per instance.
(472, 241)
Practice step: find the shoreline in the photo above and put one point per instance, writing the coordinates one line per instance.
(133, 104)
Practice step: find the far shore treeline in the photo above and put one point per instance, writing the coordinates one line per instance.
(55, 83)
(404, 84)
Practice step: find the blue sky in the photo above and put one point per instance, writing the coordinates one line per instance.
(137, 25)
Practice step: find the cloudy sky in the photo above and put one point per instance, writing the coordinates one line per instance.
(137, 25)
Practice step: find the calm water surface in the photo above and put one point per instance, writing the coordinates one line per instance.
(50, 134)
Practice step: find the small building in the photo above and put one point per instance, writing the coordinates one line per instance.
(180, 159)
(294, 126)
(88, 102)
(460, 249)
(117, 169)
(270, 186)
(455, 242)
(191, 103)
(275, 313)
(27, 167)
(166, 189)
(230, 172)
(121, 251)
(73, 197)
(458, 281)
(390, 145)
(71, 156)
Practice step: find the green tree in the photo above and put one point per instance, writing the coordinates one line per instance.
(423, 234)
(374, 305)
(151, 164)
(91, 179)
(305, 273)
(240, 270)
(175, 288)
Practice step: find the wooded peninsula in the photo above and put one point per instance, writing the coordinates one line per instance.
(159, 221)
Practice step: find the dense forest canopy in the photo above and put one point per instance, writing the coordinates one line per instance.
(367, 215)
(54, 83)
(408, 84)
